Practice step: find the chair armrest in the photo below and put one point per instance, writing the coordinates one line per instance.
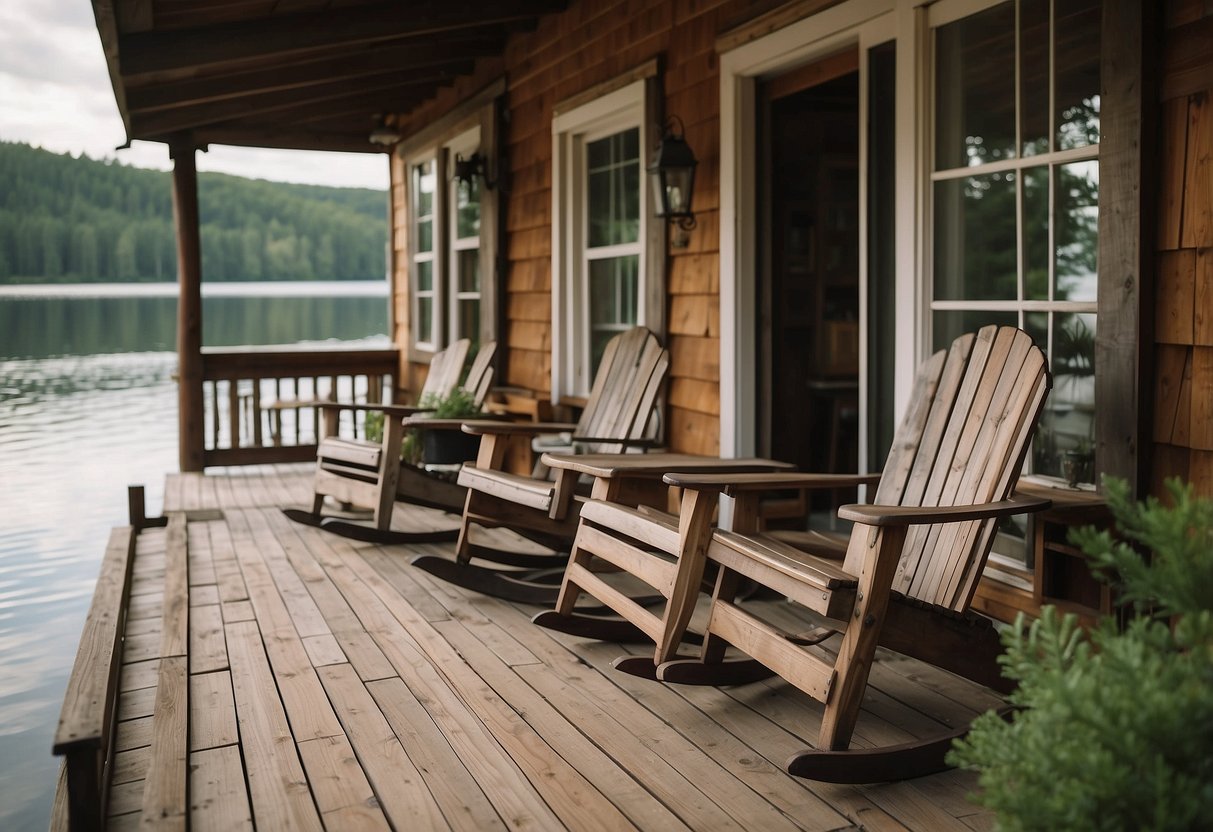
(398, 410)
(874, 515)
(733, 484)
(481, 426)
(426, 423)
(636, 442)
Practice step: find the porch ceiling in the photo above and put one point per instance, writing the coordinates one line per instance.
(303, 74)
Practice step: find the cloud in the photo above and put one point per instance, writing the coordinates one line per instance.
(55, 93)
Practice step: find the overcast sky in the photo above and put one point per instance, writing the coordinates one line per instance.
(55, 93)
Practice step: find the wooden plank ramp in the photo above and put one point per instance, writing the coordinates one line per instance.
(282, 677)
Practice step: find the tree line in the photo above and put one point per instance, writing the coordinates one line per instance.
(80, 220)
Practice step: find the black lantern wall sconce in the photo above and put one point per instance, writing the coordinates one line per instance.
(673, 172)
(466, 170)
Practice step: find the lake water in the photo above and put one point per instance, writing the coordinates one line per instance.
(87, 407)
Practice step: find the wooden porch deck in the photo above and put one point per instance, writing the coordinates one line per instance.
(324, 683)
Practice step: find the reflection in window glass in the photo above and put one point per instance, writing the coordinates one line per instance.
(425, 320)
(467, 209)
(1034, 76)
(423, 199)
(613, 169)
(975, 238)
(469, 319)
(613, 303)
(1076, 32)
(469, 270)
(947, 325)
(425, 276)
(1035, 225)
(1066, 433)
(1076, 230)
(975, 89)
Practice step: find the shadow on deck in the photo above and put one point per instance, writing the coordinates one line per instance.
(326, 684)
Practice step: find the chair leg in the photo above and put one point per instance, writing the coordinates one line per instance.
(463, 550)
(569, 591)
(711, 668)
(859, 642)
(714, 646)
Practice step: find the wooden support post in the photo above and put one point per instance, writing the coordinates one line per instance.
(189, 305)
(1127, 228)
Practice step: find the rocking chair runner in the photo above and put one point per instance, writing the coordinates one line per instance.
(614, 420)
(369, 474)
(910, 570)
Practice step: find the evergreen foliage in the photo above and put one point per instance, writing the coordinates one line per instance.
(1116, 726)
(80, 220)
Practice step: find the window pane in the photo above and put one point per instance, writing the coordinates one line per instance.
(423, 206)
(975, 238)
(425, 320)
(975, 89)
(469, 270)
(613, 300)
(467, 209)
(425, 276)
(1065, 437)
(1076, 230)
(614, 189)
(1036, 233)
(947, 325)
(1034, 76)
(1076, 56)
(469, 320)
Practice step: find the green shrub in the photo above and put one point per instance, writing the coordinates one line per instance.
(1115, 727)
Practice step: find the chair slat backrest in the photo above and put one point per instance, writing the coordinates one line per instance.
(446, 367)
(963, 441)
(633, 367)
(480, 375)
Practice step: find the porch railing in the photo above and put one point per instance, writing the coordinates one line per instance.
(260, 404)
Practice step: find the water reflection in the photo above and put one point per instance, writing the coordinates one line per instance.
(42, 327)
(67, 452)
(88, 406)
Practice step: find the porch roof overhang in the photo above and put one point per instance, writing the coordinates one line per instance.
(297, 74)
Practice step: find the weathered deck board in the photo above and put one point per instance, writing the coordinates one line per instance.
(332, 686)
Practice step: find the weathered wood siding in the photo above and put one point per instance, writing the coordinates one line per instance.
(1183, 384)
(590, 44)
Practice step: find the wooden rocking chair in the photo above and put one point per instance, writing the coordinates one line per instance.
(909, 573)
(371, 474)
(541, 509)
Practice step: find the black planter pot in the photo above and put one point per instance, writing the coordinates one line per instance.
(448, 447)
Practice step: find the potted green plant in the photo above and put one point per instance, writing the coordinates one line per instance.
(444, 447)
(1113, 727)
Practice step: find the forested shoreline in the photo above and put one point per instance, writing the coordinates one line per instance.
(80, 220)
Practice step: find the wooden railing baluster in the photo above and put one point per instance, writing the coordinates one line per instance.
(300, 379)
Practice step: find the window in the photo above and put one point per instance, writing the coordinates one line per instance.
(464, 248)
(602, 235)
(422, 180)
(612, 233)
(447, 226)
(1015, 197)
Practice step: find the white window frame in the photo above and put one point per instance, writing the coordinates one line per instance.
(611, 113)
(463, 145)
(434, 256)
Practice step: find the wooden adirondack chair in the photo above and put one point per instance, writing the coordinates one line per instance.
(370, 474)
(910, 570)
(542, 509)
